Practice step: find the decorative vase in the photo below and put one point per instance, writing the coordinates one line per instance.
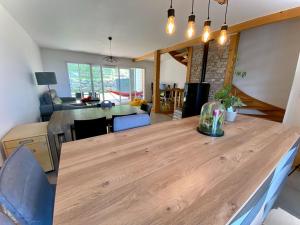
(231, 116)
(211, 119)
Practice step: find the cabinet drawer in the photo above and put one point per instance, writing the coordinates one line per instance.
(24, 141)
(41, 153)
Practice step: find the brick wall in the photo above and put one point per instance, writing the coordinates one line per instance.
(216, 65)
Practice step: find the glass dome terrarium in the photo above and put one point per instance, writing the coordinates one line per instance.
(212, 119)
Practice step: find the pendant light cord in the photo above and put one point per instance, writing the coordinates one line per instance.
(208, 9)
(193, 7)
(226, 12)
(110, 48)
(171, 6)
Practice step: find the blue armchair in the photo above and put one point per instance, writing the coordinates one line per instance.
(25, 193)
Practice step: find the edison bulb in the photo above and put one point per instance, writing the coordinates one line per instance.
(206, 31)
(191, 29)
(170, 28)
(223, 35)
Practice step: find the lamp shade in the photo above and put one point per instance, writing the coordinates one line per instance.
(45, 78)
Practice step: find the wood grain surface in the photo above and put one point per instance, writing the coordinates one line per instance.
(167, 173)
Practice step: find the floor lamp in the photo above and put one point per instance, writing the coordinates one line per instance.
(46, 78)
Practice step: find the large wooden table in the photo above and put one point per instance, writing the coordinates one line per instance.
(167, 173)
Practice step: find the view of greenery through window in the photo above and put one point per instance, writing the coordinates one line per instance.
(106, 83)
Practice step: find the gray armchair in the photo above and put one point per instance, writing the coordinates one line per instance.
(63, 103)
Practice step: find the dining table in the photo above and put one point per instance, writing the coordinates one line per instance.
(59, 126)
(168, 173)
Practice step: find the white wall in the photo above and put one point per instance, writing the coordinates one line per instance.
(19, 57)
(292, 115)
(55, 61)
(269, 55)
(172, 71)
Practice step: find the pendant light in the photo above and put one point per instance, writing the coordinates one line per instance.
(206, 29)
(223, 34)
(170, 27)
(110, 58)
(191, 23)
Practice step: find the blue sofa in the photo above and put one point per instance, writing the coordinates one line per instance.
(64, 103)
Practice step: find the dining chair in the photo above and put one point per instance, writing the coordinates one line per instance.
(25, 193)
(90, 128)
(5, 220)
(251, 213)
(106, 104)
(111, 122)
(281, 173)
(147, 108)
(132, 121)
(78, 95)
(258, 208)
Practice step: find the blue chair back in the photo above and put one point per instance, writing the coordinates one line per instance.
(131, 121)
(25, 191)
(5, 220)
(251, 211)
(281, 173)
(257, 209)
(106, 104)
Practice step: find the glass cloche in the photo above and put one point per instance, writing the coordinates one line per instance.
(212, 119)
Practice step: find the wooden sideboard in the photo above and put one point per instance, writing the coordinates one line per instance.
(35, 137)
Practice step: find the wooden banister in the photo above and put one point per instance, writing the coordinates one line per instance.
(271, 112)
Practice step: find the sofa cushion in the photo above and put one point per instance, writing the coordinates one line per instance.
(57, 101)
(53, 93)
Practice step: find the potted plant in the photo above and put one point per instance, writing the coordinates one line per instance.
(230, 102)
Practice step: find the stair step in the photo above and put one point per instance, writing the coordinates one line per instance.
(184, 60)
(183, 54)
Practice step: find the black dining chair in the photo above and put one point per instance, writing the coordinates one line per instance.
(90, 128)
(147, 108)
(78, 95)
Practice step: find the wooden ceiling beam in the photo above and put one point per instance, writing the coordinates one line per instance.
(149, 55)
(260, 21)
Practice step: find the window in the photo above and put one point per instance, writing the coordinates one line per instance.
(80, 79)
(118, 85)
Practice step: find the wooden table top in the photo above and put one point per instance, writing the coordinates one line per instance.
(167, 173)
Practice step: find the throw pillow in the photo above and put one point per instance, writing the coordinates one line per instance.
(57, 101)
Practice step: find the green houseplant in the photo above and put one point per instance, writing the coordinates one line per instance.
(230, 102)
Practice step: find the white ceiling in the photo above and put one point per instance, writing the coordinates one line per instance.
(137, 26)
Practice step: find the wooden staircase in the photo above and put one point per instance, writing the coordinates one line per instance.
(270, 112)
(181, 56)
